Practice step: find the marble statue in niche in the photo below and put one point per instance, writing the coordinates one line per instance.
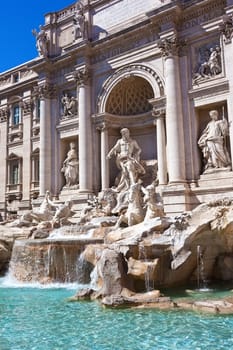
(127, 152)
(70, 167)
(212, 143)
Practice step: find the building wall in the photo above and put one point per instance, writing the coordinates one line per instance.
(164, 44)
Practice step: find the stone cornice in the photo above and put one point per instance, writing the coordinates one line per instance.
(169, 13)
(200, 12)
(115, 121)
(209, 89)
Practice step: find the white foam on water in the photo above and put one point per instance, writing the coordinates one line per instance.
(9, 281)
(60, 233)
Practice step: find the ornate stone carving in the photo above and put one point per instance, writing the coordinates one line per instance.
(4, 113)
(48, 213)
(135, 212)
(45, 90)
(81, 76)
(79, 22)
(210, 66)
(5, 80)
(170, 46)
(226, 28)
(27, 106)
(158, 113)
(69, 104)
(42, 42)
(102, 126)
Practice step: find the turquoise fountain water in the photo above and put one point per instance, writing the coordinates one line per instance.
(41, 318)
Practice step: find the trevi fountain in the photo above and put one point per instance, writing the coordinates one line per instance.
(116, 200)
(122, 250)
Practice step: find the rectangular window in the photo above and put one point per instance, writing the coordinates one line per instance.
(16, 115)
(15, 174)
(16, 78)
(38, 109)
(37, 169)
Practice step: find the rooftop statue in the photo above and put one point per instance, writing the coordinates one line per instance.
(79, 23)
(42, 41)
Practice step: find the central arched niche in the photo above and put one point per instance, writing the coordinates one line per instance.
(130, 97)
(129, 100)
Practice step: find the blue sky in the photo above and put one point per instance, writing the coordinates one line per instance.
(17, 19)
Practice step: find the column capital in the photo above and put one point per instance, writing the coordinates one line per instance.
(102, 126)
(158, 113)
(81, 76)
(45, 90)
(226, 28)
(171, 46)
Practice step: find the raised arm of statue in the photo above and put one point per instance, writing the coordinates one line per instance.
(41, 41)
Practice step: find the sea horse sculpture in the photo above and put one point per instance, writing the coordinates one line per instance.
(134, 214)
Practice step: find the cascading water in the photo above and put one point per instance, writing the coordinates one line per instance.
(149, 272)
(47, 261)
(201, 279)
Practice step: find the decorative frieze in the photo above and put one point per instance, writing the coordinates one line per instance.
(196, 15)
(138, 40)
(5, 80)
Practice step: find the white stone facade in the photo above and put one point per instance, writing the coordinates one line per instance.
(156, 68)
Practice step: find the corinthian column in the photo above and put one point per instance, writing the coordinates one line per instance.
(45, 93)
(161, 146)
(104, 151)
(174, 117)
(85, 131)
